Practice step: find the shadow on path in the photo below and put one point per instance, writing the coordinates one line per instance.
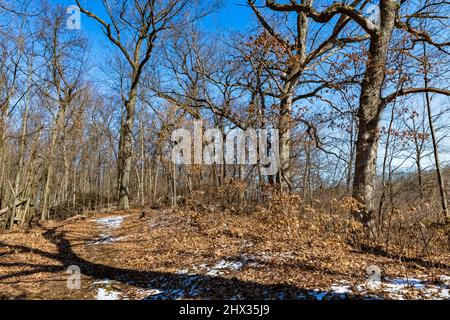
(164, 285)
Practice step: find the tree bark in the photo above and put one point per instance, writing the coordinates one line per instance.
(369, 114)
(285, 122)
(284, 127)
(49, 174)
(126, 151)
(440, 176)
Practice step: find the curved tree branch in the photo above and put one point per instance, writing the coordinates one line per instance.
(408, 91)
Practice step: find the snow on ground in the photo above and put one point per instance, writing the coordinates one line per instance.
(105, 291)
(193, 279)
(396, 288)
(234, 264)
(104, 294)
(110, 222)
(217, 269)
(106, 239)
(107, 225)
(399, 288)
(189, 288)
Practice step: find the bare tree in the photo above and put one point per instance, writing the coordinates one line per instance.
(133, 27)
(292, 76)
(437, 162)
(372, 101)
(64, 58)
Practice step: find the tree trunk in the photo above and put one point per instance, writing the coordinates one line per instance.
(284, 127)
(370, 109)
(142, 182)
(440, 177)
(285, 124)
(418, 154)
(125, 155)
(3, 113)
(22, 143)
(49, 174)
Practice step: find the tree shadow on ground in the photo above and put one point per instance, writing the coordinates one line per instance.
(163, 285)
(382, 252)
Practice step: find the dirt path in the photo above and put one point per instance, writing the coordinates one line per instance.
(175, 255)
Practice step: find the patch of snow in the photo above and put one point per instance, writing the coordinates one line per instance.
(105, 294)
(99, 282)
(405, 283)
(150, 292)
(110, 222)
(105, 239)
(170, 294)
(104, 290)
(282, 296)
(183, 271)
(340, 289)
(214, 270)
(395, 288)
(317, 294)
(224, 265)
(445, 280)
(161, 289)
(400, 288)
(247, 244)
(233, 264)
(286, 255)
(190, 285)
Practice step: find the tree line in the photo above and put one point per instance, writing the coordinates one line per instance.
(357, 90)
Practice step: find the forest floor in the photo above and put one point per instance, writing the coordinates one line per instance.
(169, 254)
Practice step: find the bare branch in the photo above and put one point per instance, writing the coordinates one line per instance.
(408, 91)
(327, 14)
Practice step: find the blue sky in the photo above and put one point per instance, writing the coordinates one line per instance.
(232, 14)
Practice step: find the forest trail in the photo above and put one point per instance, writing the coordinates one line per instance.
(183, 255)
